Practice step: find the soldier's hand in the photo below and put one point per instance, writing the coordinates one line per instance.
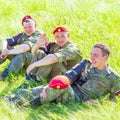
(30, 68)
(42, 40)
(4, 53)
(43, 94)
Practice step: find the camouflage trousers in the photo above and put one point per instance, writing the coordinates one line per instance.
(49, 70)
(22, 60)
(57, 95)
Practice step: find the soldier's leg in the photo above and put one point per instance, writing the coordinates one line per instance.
(25, 95)
(53, 95)
(16, 64)
(43, 71)
(50, 70)
(58, 95)
(37, 56)
(67, 96)
(19, 61)
(58, 69)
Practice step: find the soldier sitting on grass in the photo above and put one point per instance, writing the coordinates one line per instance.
(60, 56)
(86, 81)
(18, 48)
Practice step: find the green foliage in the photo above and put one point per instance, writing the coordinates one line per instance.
(89, 21)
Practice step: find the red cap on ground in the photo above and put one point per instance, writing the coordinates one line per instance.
(59, 82)
(28, 17)
(60, 29)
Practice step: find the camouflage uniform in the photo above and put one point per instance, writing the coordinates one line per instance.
(86, 83)
(67, 56)
(20, 60)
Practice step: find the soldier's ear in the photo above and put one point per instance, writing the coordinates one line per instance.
(68, 35)
(106, 57)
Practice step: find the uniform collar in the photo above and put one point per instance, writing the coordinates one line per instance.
(104, 72)
(68, 42)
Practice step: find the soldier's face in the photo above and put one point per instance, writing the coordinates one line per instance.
(61, 38)
(98, 60)
(29, 27)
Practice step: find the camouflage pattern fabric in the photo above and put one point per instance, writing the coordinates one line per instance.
(98, 83)
(56, 95)
(23, 59)
(68, 56)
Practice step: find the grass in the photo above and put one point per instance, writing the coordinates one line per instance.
(89, 21)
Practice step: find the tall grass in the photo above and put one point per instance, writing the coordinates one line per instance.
(89, 21)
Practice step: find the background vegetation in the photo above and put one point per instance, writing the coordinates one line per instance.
(89, 21)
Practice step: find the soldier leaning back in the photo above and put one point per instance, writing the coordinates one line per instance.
(97, 78)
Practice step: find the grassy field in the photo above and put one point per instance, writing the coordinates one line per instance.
(89, 21)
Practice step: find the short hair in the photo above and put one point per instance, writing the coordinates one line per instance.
(104, 48)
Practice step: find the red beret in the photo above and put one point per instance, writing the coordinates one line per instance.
(60, 29)
(28, 17)
(59, 82)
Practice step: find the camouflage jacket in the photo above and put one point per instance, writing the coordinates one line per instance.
(22, 38)
(69, 54)
(87, 82)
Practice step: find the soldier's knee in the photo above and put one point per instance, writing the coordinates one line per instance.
(24, 93)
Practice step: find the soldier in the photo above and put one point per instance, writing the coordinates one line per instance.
(96, 76)
(20, 56)
(61, 56)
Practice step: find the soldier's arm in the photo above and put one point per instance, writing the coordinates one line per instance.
(45, 61)
(75, 73)
(20, 49)
(71, 52)
(35, 49)
(9, 42)
(4, 45)
(53, 58)
(4, 49)
(40, 42)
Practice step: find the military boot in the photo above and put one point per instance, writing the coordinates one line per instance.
(35, 102)
(33, 77)
(4, 74)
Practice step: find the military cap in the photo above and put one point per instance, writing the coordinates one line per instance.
(61, 28)
(28, 17)
(59, 82)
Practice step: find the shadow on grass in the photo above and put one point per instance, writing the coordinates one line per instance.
(55, 111)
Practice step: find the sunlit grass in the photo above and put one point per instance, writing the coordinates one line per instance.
(89, 21)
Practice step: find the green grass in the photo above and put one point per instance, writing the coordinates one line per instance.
(89, 21)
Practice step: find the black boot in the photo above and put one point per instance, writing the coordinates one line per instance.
(35, 102)
(33, 77)
(4, 75)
